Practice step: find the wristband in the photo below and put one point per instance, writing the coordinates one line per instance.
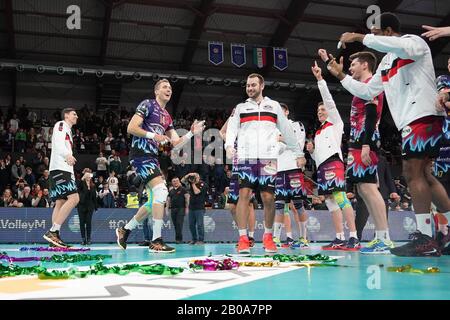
(150, 135)
(189, 135)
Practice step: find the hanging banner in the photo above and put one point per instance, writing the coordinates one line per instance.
(259, 57)
(215, 52)
(280, 58)
(238, 57)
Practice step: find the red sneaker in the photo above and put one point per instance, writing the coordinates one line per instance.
(268, 244)
(243, 245)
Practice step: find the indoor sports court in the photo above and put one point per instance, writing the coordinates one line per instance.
(224, 150)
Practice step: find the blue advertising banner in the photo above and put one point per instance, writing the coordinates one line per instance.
(27, 225)
(280, 58)
(238, 57)
(215, 52)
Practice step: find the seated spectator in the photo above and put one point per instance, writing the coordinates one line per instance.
(29, 177)
(107, 199)
(223, 199)
(40, 197)
(102, 165)
(25, 198)
(20, 141)
(7, 199)
(405, 206)
(19, 187)
(39, 144)
(5, 175)
(17, 171)
(44, 166)
(36, 161)
(31, 139)
(44, 181)
(99, 181)
(113, 183)
(109, 140)
(116, 165)
(121, 145)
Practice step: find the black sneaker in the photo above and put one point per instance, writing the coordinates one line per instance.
(353, 244)
(122, 236)
(54, 239)
(158, 245)
(252, 242)
(145, 243)
(420, 245)
(446, 251)
(336, 244)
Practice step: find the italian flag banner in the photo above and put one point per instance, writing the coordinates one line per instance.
(259, 57)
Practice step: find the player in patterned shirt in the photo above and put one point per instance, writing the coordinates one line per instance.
(362, 161)
(150, 126)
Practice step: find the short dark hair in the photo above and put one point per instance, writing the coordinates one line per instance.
(366, 56)
(388, 19)
(284, 106)
(257, 75)
(320, 104)
(66, 111)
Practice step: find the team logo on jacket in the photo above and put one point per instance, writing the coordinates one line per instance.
(270, 168)
(268, 108)
(350, 158)
(295, 183)
(330, 175)
(406, 131)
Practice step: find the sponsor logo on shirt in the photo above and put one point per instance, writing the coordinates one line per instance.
(295, 183)
(330, 175)
(406, 131)
(350, 158)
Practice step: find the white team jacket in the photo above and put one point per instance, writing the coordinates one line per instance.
(286, 158)
(328, 139)
(61, 147)
(405, 74)
(255, 127)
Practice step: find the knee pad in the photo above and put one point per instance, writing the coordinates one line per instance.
(279, 207)
(149, 204)
(331, 205)
(341, 199)
(298, 204)
(160, 193)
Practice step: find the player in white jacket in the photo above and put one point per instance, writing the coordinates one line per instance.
(63, 189)
(290, 189)
(327, 154)
(406, 75)
(254, 124)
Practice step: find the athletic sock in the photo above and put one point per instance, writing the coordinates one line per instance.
(55, 227)
(157, 226)
(242, 232)
(132, 224)
(382, 235)
(340, 236)
(277, 229)
(302, 228)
